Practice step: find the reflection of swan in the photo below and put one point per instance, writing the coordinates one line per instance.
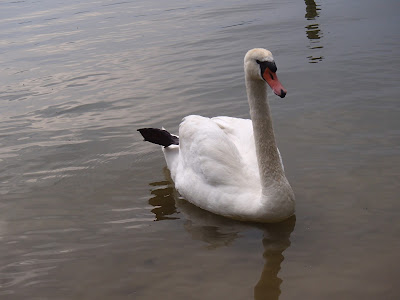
(311, 9)
(201, 224)
(231, 166)
(275, 241)
(217, 231)
(312, 30)
(163, 200)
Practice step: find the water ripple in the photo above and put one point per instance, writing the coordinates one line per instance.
(79, 190)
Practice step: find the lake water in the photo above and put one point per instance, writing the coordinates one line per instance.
(87, 209)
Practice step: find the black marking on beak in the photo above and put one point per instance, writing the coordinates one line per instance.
(267, 65)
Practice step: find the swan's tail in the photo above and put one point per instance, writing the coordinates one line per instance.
(159, 136)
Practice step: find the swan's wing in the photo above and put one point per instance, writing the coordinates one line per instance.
(211, 172)
(240, 131)
(208, 153)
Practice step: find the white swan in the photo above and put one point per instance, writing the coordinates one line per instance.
(231, 166)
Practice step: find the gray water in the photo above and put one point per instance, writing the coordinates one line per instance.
(87, 209)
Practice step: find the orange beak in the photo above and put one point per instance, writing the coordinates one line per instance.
(273, 81)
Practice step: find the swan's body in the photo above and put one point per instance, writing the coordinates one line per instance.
(231, 166)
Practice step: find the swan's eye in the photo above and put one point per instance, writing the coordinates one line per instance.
(267, 65)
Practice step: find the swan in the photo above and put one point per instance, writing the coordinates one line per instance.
(231, 166)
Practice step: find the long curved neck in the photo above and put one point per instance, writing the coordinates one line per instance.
(267, 153)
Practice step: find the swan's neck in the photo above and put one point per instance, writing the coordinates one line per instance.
(267, 153)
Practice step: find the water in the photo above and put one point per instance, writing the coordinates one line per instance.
(88, 211)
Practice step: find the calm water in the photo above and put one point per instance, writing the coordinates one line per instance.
(88, 211)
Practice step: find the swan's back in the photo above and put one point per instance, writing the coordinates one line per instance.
(210, 149)
(240, 133)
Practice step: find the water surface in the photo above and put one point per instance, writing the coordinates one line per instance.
(88, 211)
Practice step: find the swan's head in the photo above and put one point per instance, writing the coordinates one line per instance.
(259, 64)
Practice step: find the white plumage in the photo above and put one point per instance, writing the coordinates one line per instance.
(231, 166)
